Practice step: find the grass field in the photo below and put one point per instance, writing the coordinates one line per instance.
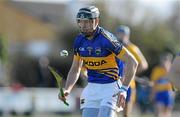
(174, 114)
(76, 116)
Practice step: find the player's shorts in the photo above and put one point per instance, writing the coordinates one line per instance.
(165, 98)
(96, 95)
(131, 95)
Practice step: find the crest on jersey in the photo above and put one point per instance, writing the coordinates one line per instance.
(98, 51)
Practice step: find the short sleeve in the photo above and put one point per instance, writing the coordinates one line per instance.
(115, 46)
(112, 43)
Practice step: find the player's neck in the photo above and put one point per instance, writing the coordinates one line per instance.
(90, 37)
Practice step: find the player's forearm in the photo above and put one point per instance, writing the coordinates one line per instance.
(130, 70)
(72, 78)
(174, 73)
(139, 69)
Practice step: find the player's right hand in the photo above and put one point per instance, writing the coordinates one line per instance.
(63, 98)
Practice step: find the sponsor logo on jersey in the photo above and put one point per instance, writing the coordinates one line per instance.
(97, 63)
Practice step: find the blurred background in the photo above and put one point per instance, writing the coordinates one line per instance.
(33, 32)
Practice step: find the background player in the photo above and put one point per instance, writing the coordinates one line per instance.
(123, 34)
(162, 89)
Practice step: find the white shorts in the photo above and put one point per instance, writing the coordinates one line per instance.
(96, 95)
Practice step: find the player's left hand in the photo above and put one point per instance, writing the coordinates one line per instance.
(121, 99)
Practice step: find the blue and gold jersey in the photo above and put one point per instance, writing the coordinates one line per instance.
(99, 55)
(158, 77)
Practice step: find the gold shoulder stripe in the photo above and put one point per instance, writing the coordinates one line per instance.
(122, 52)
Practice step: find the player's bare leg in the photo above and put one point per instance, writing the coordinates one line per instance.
(163, 111)
(167, 111)
(128, 108)
(159, 112)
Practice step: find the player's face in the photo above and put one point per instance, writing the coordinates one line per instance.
(87, 26)
(167, 64)
(120, 35)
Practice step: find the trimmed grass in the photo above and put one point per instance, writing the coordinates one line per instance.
(46, 115)
(78, 116)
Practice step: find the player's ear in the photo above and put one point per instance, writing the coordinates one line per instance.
(97, 21)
